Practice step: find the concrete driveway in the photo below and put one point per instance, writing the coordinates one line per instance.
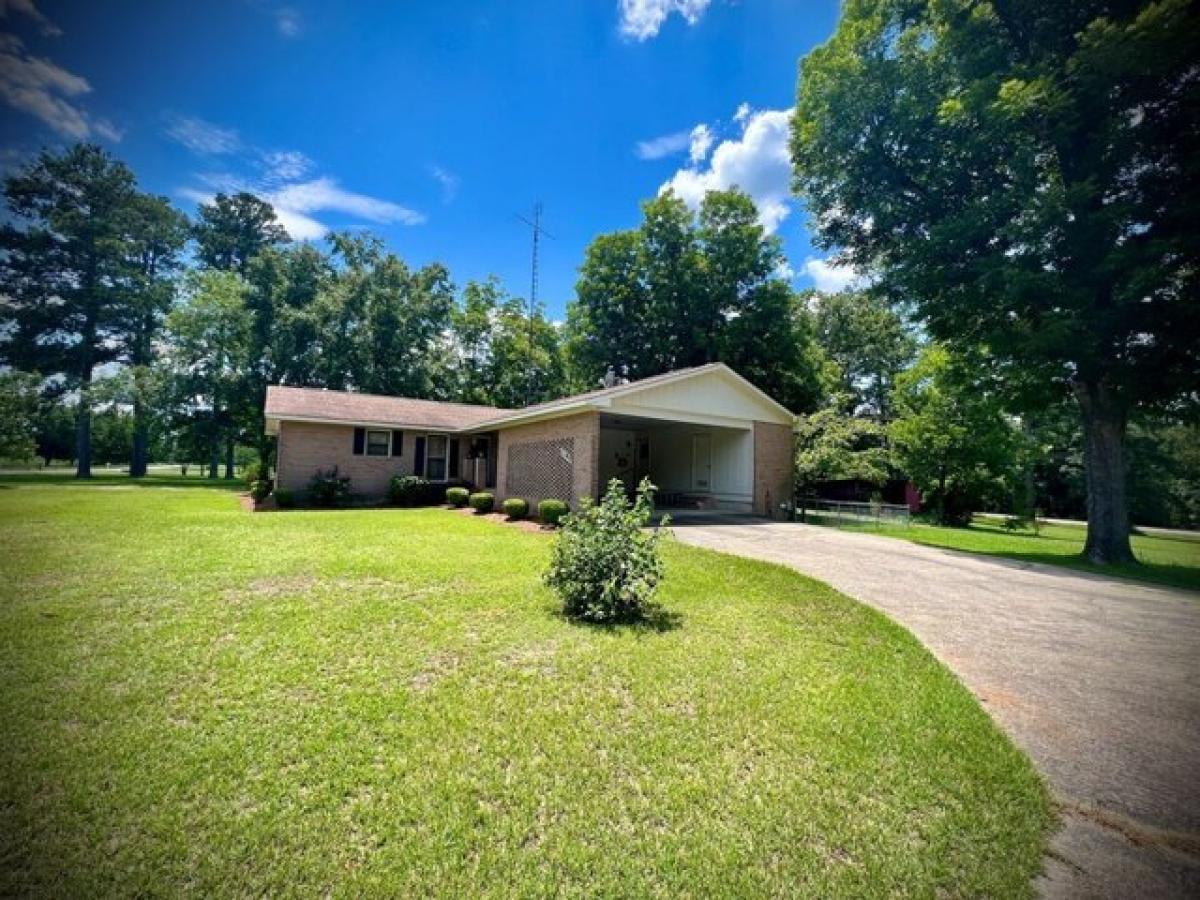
(1097, 679)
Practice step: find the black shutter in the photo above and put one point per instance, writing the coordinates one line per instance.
(419, 459)
(360, 441)
(453, 457)
(397, 443)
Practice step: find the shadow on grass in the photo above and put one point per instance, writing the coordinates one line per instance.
(1164, 574)
(657, 620)
(117, 479)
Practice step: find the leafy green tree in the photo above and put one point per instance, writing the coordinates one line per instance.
(501, 356)
(285, 344)
(382, 325)
(18, 414)
(951, 435)
(686, 289)
(832, 446)
(62, 267)
(209, 336)
(869, 345)
(233, 229)
(155, 234)
(608, 325)
(1027, 177)
(54, 432)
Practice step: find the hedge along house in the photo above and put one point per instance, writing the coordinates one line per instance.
(705, 436)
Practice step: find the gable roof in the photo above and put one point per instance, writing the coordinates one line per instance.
(350, 408)
(600, 398)
(320, 405)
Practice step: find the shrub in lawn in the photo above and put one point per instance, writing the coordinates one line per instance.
(482, 502)
(516, 508)
(457, 496)
(285, 499)
(551, 512)
(260, 489)
(328, 488)
(605, 566)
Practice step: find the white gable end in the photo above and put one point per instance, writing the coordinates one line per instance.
(715, 393)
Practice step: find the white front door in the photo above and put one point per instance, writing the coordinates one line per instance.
(702, 462)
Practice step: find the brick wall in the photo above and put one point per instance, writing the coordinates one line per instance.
(773, 468)
(305, 447)
(583, 429)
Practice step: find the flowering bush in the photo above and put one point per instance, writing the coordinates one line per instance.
(605, 566)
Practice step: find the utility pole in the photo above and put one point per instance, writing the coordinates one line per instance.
(538, 231)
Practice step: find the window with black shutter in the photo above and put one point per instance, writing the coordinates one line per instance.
(360, 441)
(453, 457)
(397, 443)
(419, 456)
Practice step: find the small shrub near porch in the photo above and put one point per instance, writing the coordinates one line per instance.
(457, 496)
(482, 502)
(605, 566)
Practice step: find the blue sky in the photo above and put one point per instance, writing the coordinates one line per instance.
(432, 124)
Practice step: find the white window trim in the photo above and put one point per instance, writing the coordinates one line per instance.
(367, 443)
(445, 459)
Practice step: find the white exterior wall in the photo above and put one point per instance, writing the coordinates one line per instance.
(732, 463)
(715, 399)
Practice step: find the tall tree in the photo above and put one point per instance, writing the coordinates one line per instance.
(155, 234)
(233, 229)
(209, 347)
(1026, 175)
(61, 270)
(382, 324)
(285, 343)
(686, 289)
(868, 343)
(231, 233)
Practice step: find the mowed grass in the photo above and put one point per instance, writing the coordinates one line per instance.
(1172, 561)
(384, 702)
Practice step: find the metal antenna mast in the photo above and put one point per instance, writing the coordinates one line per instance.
(538, 231)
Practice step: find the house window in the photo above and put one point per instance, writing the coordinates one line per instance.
(379, 443)
(435, 457)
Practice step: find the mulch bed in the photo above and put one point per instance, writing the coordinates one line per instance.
(501, 518)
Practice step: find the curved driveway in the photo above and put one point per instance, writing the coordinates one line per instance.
(1097, 679)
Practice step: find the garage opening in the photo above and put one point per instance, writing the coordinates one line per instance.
(694, 466)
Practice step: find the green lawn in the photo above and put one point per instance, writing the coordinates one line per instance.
(384, 702)
(1173, 561)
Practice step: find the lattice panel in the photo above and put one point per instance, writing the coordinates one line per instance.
(541, 469)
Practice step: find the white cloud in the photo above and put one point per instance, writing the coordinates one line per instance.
(642, 19)
(448, 180)
(699, 143)
(203, 137)
(288, 21)
(664, 145)
(27, 9)
(286, 165)
(297, 202)
(757, 162)
(830, 278)
(47, 91)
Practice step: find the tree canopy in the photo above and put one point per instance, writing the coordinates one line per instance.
(1024, 175)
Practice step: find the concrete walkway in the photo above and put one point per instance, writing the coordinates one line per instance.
(1097, 679)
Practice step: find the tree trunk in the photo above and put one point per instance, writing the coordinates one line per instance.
(229, 456)
(141, 441)
(83, 436)
(1104, 419)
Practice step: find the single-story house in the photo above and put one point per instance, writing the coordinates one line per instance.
(705, 436)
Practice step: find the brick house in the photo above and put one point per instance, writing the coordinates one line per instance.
(705, 436)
